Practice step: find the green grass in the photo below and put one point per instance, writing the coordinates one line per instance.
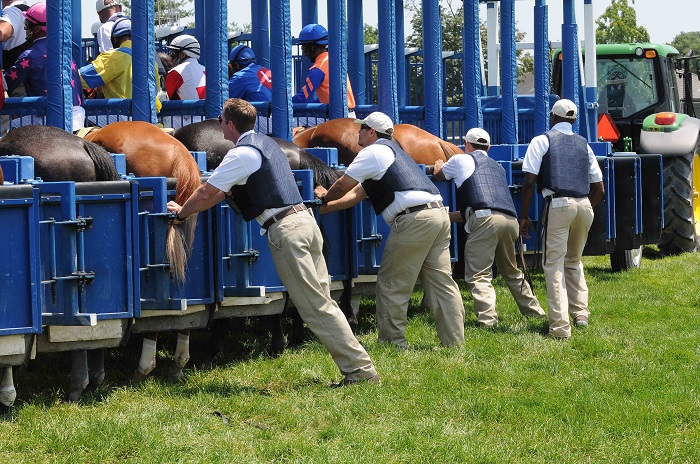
(624, 390)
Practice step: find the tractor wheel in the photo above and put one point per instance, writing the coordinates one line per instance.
(623, 260)
(681, 231)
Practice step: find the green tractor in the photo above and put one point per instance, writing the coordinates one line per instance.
(641, 109)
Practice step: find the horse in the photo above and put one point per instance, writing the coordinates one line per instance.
(423, 147)
(151, 152)
(208, 137)
(60, 156)
(2, 177)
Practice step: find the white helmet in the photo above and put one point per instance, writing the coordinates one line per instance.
(186, 44)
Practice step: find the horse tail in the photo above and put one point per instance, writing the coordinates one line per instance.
(180, 237)
(104, 165)
(449, 149)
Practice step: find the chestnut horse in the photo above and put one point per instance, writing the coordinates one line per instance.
(60, 156)
(2, 177)
(423, 147)
(151, 152)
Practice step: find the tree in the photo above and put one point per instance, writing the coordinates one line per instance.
(618, 24)
(167, 12)
(687, 41)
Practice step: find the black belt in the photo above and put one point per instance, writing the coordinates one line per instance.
(283, 214)
(415, 209)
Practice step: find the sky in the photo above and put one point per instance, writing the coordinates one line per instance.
(663, 19)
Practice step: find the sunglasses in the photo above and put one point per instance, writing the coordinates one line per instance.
(364, 127)
(220, 119)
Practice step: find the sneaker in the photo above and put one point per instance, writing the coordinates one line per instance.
(581, 321)
(346, 382)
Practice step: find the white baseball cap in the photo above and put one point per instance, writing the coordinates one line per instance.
(478, 136)
(102, 4)
(565, 109)
(379, 122)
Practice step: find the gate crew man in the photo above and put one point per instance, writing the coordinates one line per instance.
(259, 185)
(418, 245)
(485, 203)
(570, 179)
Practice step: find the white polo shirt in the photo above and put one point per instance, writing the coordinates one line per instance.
(13, 15)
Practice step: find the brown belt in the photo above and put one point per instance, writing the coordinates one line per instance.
(283, 214)
(415, 209)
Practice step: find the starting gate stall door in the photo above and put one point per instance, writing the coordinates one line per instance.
(20, 299)
(88, 252)
(602, 231)
(246, 271)
(159, 290)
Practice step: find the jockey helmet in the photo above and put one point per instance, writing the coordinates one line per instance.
(241, 54)
(313, 34)
(122, 26)
(36, 15)
(186, 44)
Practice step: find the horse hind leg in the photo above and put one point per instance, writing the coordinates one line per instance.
(8, 394)
(96, 366)
(79, 376)
(147, 362)
(182, 355)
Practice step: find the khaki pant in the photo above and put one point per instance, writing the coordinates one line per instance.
(492, 237)
(565, 238)
(295, 243)
(418, 246)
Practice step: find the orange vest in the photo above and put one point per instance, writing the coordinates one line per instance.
(322, 91)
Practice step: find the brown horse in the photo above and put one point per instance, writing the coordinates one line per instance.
(150, 152)
(2, 177)
(422, 146)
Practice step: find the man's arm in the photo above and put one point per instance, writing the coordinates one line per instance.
(340, 188)
(527, 193)
(202, 199)
(6, 31)
(308, 91)
(596, 193)
(350, 199)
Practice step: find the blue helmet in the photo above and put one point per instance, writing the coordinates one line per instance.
(313, 34)
(122, 26)
(241, 54)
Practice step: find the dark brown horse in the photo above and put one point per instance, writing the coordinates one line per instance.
(208, 137)
(60, 156)
(341, 133)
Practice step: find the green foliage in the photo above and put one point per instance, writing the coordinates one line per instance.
(624, 390)
(686, 42)
(167, 12)
(618, 24)
(371, 34)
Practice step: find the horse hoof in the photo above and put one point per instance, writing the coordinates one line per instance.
(175, 372)
(96, 381)
(74, 395)
(5, 409)
(138, 376)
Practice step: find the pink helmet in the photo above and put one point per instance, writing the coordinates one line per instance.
(36, 15)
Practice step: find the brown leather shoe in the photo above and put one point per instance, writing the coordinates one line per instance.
(581, 321)
(346, 382)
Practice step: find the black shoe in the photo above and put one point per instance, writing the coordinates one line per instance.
(346, 382)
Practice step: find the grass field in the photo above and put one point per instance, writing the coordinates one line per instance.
(623, 390)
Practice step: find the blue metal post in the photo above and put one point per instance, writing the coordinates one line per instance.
(570, 65)
(261, 31)
(309, 15)
(143, 62)
(542, 70)
(356, 50)
(337, 59)
(199, 22)
(388, 97)
(281, 67)
(216, 57)
(432, 67)
(509, 74)
(59, 100)
(400, 55)
(471, 65)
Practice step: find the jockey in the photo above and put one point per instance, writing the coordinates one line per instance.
(108, 11)
(186, 81)
(314, 41)
(248, 80)
(111, 70)
(30, 67)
